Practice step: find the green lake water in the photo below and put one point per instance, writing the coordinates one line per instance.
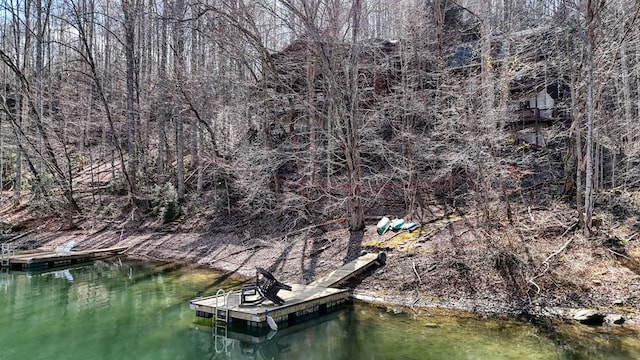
(135, 310)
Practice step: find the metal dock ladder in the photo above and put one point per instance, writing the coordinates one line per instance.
(7, 253)
(221, 317)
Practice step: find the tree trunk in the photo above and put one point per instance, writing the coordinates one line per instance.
(352, 153)
(19, 105)
(179, 62)
(589, 63)
(161, 97)
(129, 9)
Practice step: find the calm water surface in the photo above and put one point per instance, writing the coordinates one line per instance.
(135, 310)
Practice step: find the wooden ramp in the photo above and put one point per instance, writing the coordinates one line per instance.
(349, 270)
(316, 298)
(47, 259)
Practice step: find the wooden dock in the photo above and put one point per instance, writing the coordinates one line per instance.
(302, 300)
(350, 270)
(48, 259)
(317, 298)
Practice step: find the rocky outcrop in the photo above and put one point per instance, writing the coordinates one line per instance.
(597, 318)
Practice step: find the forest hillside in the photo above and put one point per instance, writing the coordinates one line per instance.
(234, 134)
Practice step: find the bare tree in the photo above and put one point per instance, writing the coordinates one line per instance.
(161, 96)
(179, 65)
(129, 10)
(591, 18)
(351, 138)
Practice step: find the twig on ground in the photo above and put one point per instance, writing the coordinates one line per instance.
(416, 272)
(559, 250)
(630, 237)
(617, 253)
(318, 251)
(531, 280)
(414, 304)
(546, 261)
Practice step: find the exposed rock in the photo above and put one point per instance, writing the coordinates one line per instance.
(589, 317)
(614, 319)
(394, 310)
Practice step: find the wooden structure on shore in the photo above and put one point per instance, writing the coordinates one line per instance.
(48, 259)
(302, 301)
(350, 270)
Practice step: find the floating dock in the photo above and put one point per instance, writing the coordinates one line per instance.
(317, 298)
(302, 300)
(49, 259)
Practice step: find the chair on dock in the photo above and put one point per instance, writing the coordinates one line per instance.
(65, 250)
(265, 288)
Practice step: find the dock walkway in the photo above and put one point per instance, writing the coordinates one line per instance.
(47, 259)
(349, 270)
(303, 300)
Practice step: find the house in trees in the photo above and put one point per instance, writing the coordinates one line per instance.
(538, 86)
(312, 69)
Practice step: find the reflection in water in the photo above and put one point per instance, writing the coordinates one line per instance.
(580, 342)
(366, 332)
(64, 274)
(134, 310)
(5, 280)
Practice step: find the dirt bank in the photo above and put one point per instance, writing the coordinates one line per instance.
(449, 261)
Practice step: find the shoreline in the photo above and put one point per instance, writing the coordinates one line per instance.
(401, 283)
(394, 303)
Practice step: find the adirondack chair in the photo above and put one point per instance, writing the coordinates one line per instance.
(65, 250)
(265, 288)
